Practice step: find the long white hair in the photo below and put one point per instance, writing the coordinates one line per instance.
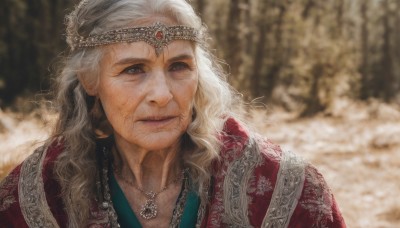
(81, 117)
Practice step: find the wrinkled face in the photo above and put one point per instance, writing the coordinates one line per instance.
(147, 98)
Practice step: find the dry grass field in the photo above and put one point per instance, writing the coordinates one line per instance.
(357, 149)
(355, 146)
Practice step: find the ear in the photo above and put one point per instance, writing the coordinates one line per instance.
(88, 84)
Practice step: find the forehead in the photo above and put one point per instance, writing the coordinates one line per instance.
(142, 50)
(151, 20)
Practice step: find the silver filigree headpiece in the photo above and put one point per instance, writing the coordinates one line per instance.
(157, 35)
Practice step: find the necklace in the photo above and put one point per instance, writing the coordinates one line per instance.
(149, 209)
(106, 203)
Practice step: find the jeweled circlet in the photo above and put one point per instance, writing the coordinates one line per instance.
(157, 35)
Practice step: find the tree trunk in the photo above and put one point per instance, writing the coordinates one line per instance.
(273, 73)
(364, 68)
(384, 84)
(247, 23)
(307, 8)
(263, 28)
(396, 54)
(201, 5)
(233, 42)
(313, 103)
(339, 17)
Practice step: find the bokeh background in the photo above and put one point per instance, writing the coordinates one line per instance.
(323, 78)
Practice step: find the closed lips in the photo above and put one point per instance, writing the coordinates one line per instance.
(157, 118)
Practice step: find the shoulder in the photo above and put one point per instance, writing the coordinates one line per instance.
(237, 141)
(29, 185)
(244, 177)
(299, 191)
(242, 149)
(316, 205)
(271, 178)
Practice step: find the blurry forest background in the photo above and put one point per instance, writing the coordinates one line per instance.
(299, 54)
(329, 72)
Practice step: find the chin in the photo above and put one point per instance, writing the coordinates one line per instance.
(160, 141)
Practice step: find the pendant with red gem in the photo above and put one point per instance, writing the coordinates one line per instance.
(149, 210)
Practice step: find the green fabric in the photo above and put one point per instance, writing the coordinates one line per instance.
(127, 218)
(189, 217)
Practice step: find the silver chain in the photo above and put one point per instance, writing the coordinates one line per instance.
(149, 194)
(107, 203)
(149, 209)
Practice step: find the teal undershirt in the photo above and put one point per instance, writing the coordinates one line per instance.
(128, 219)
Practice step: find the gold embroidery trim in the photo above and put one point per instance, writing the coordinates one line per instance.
(202, 208)
(287, 191)
(32, 196)
(7, 189)
(237, 179)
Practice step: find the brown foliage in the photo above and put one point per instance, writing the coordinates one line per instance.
(301, 55)
(305, 54)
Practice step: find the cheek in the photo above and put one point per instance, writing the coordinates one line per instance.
(117, 102)
(187, 98)
(193, 91)
(187, 89)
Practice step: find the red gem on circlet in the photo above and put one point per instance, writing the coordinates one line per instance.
(159, 35)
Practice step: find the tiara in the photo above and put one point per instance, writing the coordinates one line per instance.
(157, 35)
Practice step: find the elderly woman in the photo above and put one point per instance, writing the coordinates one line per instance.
(147, 136)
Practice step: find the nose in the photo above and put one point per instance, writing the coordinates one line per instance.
(159, 90)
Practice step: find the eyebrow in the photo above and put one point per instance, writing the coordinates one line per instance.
(131, 60)
(181, 57)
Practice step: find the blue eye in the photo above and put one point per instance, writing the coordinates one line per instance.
(178, 66)
(134, 69)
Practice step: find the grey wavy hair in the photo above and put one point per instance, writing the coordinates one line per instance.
(80, 116)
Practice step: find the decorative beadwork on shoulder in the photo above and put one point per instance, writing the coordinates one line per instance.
(317, 197)
(287, 191)
(157, 35)
(8, 187)
(32, 196)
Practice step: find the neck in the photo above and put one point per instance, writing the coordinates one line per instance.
(147, 169)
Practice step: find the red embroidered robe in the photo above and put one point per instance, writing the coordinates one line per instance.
(254, 184)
